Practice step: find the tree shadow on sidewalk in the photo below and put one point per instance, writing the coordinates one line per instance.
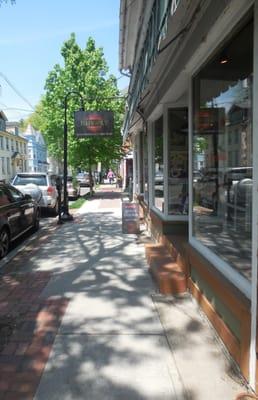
(110, 344)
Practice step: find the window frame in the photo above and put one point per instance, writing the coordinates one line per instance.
(222, 266)
(151, 131)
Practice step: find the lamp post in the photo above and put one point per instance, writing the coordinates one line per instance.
(66, 216)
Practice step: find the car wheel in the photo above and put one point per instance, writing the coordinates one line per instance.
(4, 242)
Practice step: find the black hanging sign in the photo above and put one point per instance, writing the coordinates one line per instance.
(93, 123)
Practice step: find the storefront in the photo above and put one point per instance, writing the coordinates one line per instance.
(196, 163)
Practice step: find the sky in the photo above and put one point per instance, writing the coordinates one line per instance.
(31, 36)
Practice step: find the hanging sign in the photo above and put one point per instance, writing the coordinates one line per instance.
(93, 123)
(130, 218)
(210, 120)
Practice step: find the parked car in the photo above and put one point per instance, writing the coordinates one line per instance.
(18, 214)
(207, 188)
(45, 182)
(84, 179)
(238, 184)
(73, 188)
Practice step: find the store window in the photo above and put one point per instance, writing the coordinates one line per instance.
(222, 152)
(136, 158)
(178, 161)
(158, 165)
(145, 167)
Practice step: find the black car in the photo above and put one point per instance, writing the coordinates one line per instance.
(18, 213)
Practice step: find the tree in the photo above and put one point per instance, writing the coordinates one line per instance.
(84, 71)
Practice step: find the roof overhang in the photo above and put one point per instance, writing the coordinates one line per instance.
(134, 16)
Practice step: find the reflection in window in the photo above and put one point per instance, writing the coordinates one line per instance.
(158, 165)
(177, 161)
(4, 200)
(222, 153)
(136, 174)
(145, 168)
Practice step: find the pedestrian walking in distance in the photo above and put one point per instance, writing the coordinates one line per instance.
(110, 175)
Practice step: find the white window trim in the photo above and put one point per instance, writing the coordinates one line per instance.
(165, 216)
(134, 163)
(252, 360)
(230, 273)
(176, 218)
(222, 266)
(165, 161)
(233, 276)
(145, 141)
(190, 158)
(248, 288)
(152, 204)
(150, 146)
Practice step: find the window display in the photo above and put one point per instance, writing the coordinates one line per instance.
(158, 165)
(145, 167)
(222, 152)
(178, 161)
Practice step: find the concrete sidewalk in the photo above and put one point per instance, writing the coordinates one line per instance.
(98, 329)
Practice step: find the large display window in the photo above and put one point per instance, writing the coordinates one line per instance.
(145, 167)
(178, 161)
(158, 165)
(222, 152)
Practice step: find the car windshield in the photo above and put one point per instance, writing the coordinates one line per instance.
(83, 175)
(40, 180)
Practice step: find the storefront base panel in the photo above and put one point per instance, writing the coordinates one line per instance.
(160, 227)
(225, 306)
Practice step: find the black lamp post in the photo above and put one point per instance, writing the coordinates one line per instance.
(66, 216)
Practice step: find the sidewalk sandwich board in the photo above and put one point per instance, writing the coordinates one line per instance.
(130, 218)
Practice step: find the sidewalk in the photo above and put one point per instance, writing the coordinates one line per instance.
(82, 321)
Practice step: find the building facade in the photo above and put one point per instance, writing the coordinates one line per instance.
(13, 150)
(37, 150)
(189, 117)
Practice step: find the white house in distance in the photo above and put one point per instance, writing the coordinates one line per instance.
(13, 150)
(37, 150)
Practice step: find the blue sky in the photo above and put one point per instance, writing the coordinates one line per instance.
(31, 35)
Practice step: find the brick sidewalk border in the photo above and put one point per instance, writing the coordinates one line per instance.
(28, 326)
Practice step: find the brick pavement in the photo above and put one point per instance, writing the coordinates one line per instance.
(28, 326)
(110, 196)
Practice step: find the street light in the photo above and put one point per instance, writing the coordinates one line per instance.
(66, 216)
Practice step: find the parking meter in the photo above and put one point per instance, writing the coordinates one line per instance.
(59, 185)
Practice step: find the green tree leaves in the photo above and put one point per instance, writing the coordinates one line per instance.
(84, 71)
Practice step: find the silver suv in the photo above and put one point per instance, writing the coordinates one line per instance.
(32, 182)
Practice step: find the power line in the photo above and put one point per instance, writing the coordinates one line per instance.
(17, 91)
(15, 108)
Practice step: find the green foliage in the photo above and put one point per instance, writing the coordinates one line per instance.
(200, 144)
(84, 71)
(77, 203)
